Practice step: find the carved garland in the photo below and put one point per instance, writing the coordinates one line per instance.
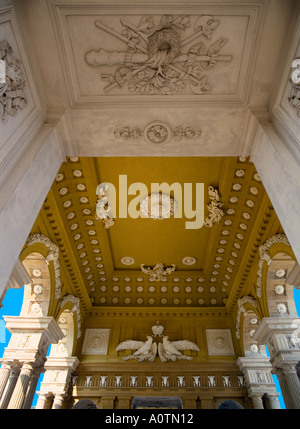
(12, 96)
(76, 308)
(241, 309)
(53, 255)
(156, 132)
(264, 256)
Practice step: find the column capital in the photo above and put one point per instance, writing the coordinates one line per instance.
(280, 334)
(275, 325)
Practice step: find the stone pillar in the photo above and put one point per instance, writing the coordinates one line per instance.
(4, 376)
(43, 401)
(283, 387)
(18, 396)
(10, 385)
(58, 371)
(58, 402)
(293, 385)
(31, 388)
(257, 402)
(280, 335)
(274, 402)
(258, 377)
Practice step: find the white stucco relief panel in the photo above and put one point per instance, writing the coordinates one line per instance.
(213, 46)
(14, 128)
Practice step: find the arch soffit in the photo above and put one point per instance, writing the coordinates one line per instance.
(70, 305)
(278, 244)
(38, 243)
(247, 309)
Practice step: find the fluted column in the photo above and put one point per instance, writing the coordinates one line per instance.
(58, 401)
(274, 402)
(293, 386)
(8, 391)
(31, 388)
(4, 376)
(43, 401)
(21, 387)
(280, 335)
(283, 387)
(257, 402)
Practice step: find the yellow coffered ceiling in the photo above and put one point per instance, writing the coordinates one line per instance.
(91, 256)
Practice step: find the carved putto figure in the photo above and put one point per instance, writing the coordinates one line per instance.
(158, 272)
(155, 61)
(12, 95)
(166, 350)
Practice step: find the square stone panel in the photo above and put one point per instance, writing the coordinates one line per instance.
(219, 342)
(96, 342)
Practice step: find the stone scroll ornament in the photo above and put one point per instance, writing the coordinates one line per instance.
(12, 83)
(158, 58)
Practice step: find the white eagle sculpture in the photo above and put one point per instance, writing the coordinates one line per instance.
(170, 350)
(145, 350)
(166, 350)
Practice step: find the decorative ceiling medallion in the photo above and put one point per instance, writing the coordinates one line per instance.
(12, 82)
(103, 210)
(155, 61)
(214, 207)
(158, 272)
(156, 132)
(127, 260)
(166, 350)
(158, 206)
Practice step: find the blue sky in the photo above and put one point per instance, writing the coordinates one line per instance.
(12, 304)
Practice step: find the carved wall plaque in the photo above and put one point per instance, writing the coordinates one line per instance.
(155, 61)
(96, 342)
(219, 342)
(12, 82)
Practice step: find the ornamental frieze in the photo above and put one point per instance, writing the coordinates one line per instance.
(164, 55)
(156, 132)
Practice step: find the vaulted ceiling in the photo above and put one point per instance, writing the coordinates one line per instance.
(213, 263)
(167, 92)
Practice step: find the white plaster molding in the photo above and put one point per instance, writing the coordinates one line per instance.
(76, 308)
(53, 255)
(264, 256)
(241, 309)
